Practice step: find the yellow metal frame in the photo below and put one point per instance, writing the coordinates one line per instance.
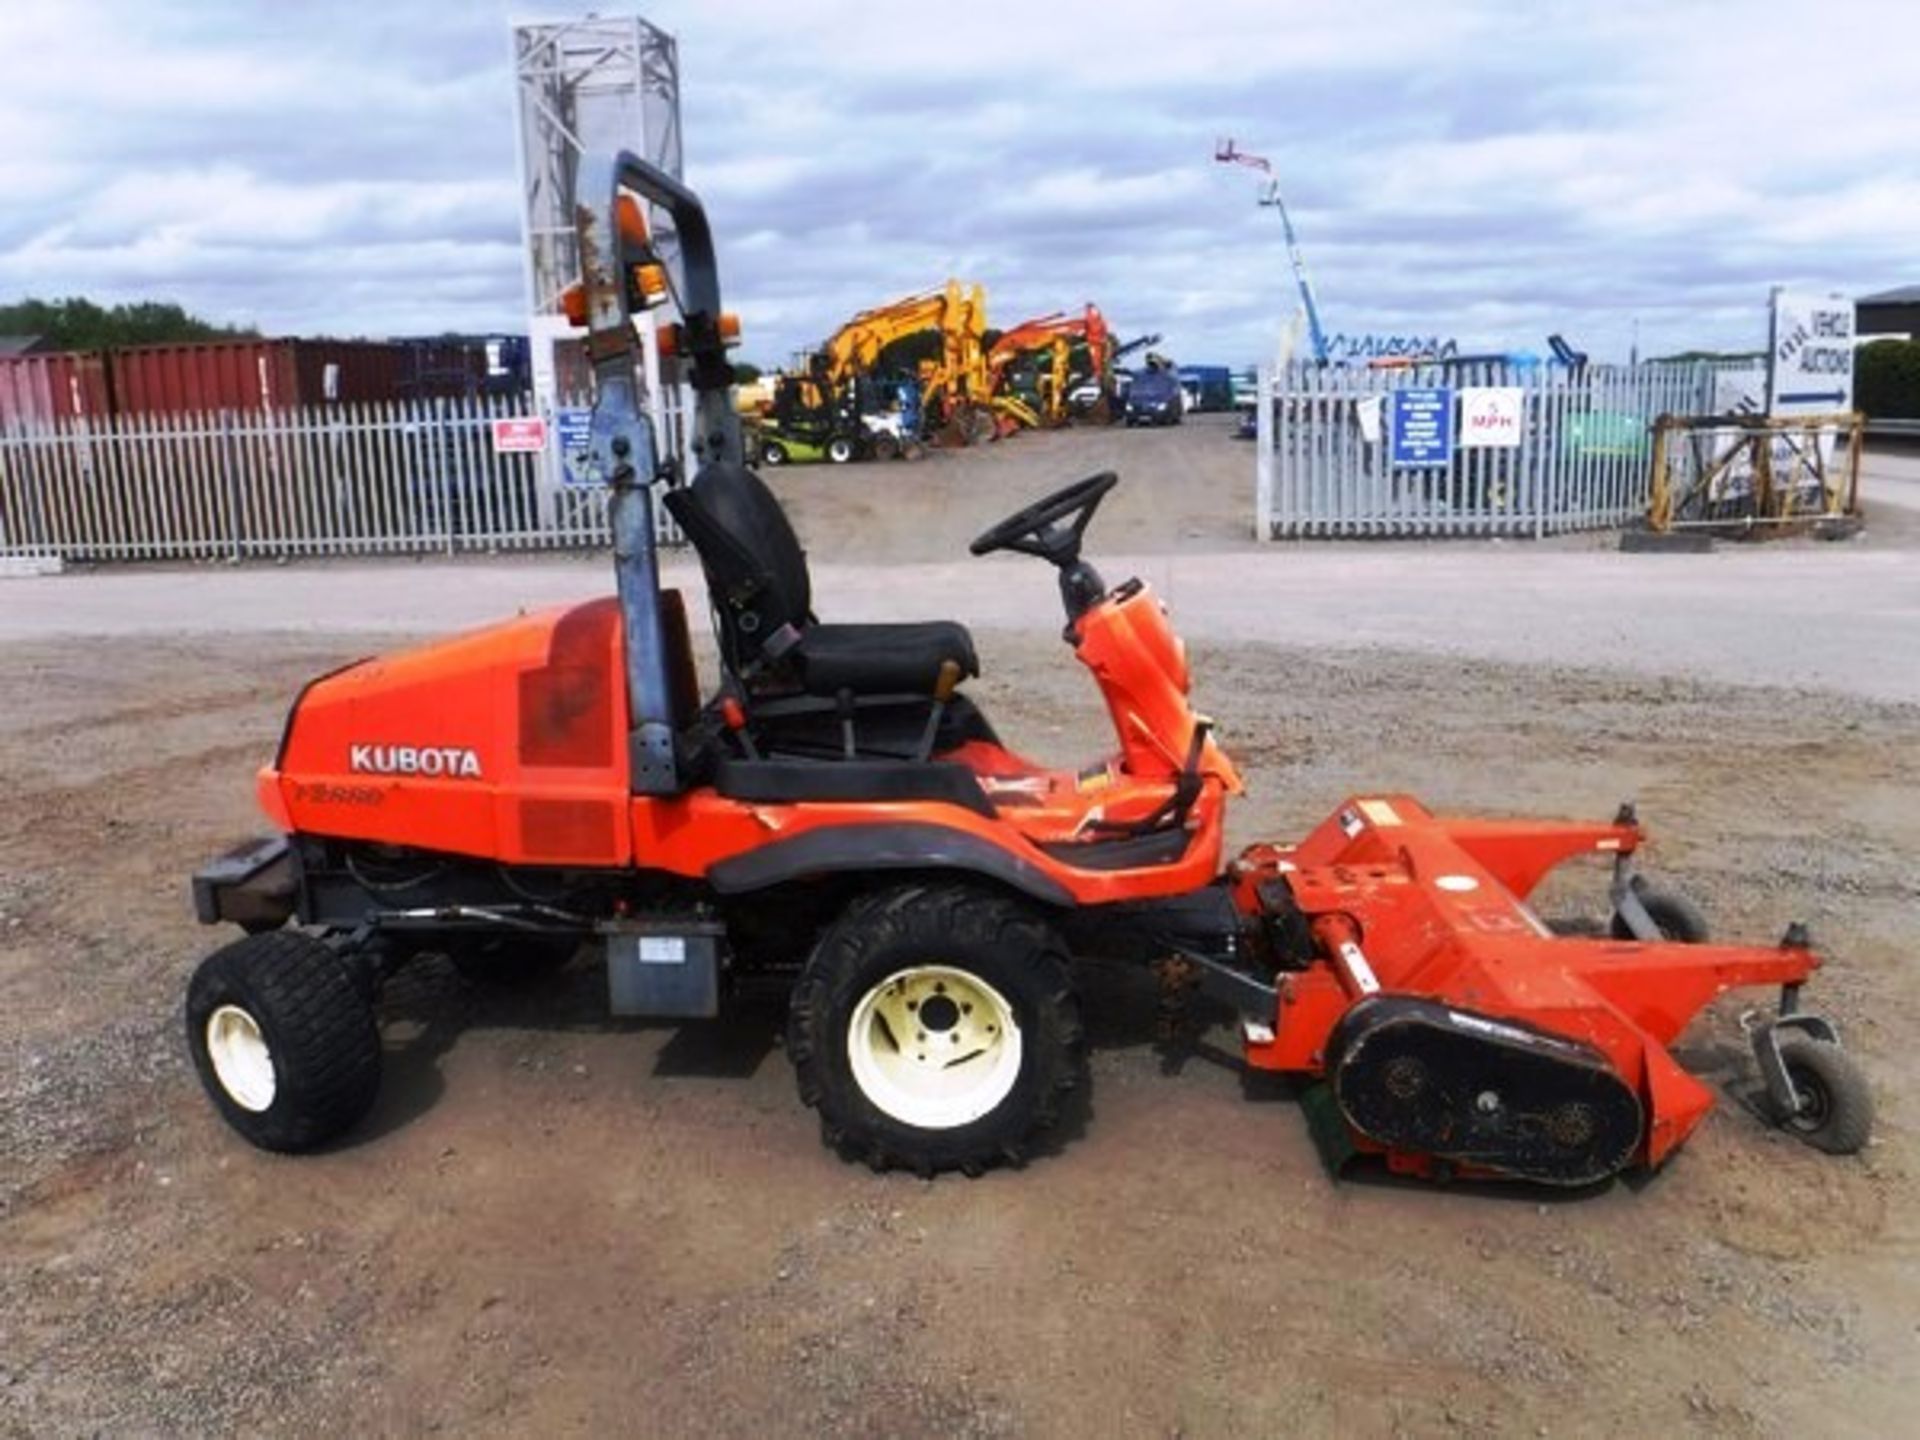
(1753, 438)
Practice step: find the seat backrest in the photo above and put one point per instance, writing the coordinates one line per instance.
(756, 571)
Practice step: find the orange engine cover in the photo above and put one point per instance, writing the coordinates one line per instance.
(507, 743)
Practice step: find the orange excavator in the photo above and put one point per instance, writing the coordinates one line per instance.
(1056, 336)
(955, 387)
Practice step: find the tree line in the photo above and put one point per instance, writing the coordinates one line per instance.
(76, 323)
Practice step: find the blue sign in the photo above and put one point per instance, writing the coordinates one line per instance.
(1422, 425)
(573, 430)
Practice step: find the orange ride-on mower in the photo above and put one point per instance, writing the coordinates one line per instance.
(838, 817)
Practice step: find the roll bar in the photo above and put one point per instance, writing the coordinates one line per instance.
(609, 322)
(621, 438)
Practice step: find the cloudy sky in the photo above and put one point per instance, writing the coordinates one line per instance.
(1488, 171)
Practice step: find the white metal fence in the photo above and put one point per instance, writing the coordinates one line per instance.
(397, 477)
(1574, 454)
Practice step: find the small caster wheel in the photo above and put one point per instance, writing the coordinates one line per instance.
(1836, 1106)
(1675, 916)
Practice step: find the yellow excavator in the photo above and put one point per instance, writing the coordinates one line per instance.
(955, 392)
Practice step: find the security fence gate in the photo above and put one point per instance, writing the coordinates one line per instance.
(1500, 449)
(398, 477)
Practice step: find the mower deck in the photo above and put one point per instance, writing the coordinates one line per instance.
(1457, 1030)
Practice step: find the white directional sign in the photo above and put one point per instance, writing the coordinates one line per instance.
(1810, 371)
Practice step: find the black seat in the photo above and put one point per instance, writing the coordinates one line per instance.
(763, 597)
(872, 659)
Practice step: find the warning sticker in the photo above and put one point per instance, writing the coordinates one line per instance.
(1380, 812)
(663, 950)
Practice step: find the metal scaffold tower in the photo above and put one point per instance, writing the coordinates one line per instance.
(584, 86)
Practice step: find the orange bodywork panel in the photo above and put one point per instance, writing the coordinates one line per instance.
(1141, 667)
(691, 834)
(509, 744)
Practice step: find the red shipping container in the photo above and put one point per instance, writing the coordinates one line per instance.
(58, 385)
(357, 370)
(211, 375)
(276, 374)
(235, 375)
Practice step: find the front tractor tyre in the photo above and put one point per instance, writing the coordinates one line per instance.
(284, 1039)
(935, 1028)
(840, 450)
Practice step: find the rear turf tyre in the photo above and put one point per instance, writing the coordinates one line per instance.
(935, 1028)
(284, 1040)
(1836, 1112)
(1676, 917)
(840, 451)
(885, 447)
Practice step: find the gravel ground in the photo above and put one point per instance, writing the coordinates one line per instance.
(557, 1223)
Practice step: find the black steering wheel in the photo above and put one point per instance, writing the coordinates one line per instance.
(1050, 528)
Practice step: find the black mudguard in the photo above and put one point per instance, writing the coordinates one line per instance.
(904, 845)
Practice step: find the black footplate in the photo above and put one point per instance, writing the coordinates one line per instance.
(1422, 1076)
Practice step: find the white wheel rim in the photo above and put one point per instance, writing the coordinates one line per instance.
(241, 1060)
(934, 1047)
